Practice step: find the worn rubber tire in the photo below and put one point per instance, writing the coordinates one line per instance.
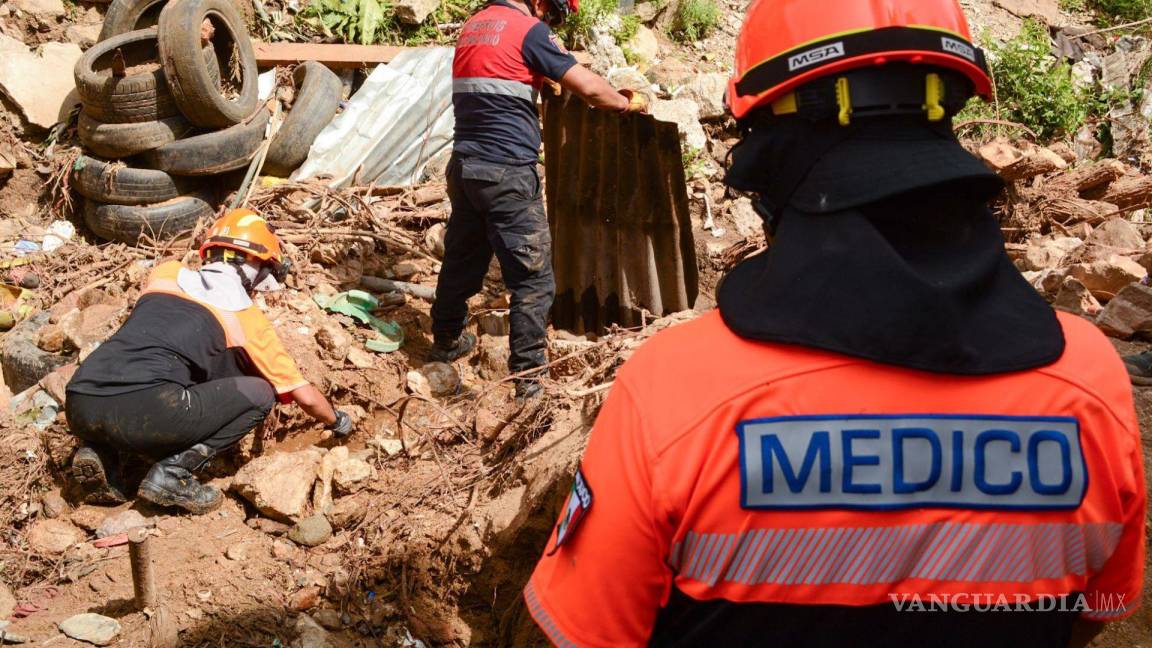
(211, 153)
(197, 94)
(162, 221)
(132, 98)
(125, 140)
(124, 16)
(318, 93)
(103, 182)
(24, 363)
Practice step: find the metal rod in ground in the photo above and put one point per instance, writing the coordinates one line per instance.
(143, 578)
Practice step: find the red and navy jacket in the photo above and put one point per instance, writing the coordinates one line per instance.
(502, 58)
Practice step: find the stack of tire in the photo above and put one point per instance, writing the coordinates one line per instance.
(171, 111)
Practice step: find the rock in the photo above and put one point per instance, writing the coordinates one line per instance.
(1081, 231)
(602, 48)
(41, 85)
(407, 270)
(56, 382)
(418, 384)
(492, 356)
(334, 339)
(54, 507)
(390, 447)
(305, 599)
(360, 358)
(413, 12)
(494, 322)
(1074, 297)
(708, 90)
(86, 328)
(1047, 11)
(121, 522)
(1048, 252)
(647, 11)
(1129, 313)
(53, 536)
(434, 240)
(42, 8)
(92, 628)
(685, 113)
(1117, 233)
(310, 634)
(349, 511)
(83, 35)
(1108, 277)
(330, 619)
(671, 73)
(271, 527)
(51, 338)
(644, 48)
(88, 517)
(747, 222)
(7, 601)
(237, 552)
(7, 163)
(442, 378)
(284, 551)
(279, 485)
(350, 475)
(311, 531)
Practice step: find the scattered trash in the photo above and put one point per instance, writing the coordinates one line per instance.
(359, 305)
(59, 233)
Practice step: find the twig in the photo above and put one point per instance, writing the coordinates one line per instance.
(996, 122)
(1130, 25)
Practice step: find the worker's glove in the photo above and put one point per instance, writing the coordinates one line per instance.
(553, 86)
(342, 426)
(637, 101)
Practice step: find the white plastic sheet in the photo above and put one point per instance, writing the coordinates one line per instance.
(399, 120)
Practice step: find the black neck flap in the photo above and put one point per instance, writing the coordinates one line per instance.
(920, 281)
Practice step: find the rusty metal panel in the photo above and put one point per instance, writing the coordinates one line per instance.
(618, 209)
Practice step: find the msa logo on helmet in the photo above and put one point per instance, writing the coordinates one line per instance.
(814, 56)
(911, 461)
(959, 48)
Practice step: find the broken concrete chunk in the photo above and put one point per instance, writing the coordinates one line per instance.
(1048, 252)
(41, 85)
(279, 485)
(93, 628)
(1108, 277)
(1129, 313)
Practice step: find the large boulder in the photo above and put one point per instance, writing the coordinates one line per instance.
(643, 48)
(1128, 313)
(685, 113)
(707, 90)
(279, 485)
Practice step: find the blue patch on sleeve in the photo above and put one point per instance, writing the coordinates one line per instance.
(578, 504)
(912, 461)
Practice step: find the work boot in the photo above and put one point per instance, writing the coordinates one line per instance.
(526, 390)
(452, 350)
(90, 470)
(170, 482)
(1139, 368)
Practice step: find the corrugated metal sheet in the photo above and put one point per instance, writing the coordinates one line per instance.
(399, 120)
(618, 208)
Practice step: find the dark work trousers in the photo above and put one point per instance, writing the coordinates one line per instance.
(165, 420)
(497, 209)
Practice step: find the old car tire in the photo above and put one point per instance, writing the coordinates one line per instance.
(24, 363)
(129, 15)
(199, 96)
(121, 185)
(142, 96)
(211, 153)
(124, 140)
(129, 223)
(318, 92)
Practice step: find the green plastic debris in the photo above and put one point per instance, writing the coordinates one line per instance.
(359, 305)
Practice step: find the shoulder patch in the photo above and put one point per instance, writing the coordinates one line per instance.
(908, 461)
(578, 504)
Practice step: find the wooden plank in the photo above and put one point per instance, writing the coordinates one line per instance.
(335, 56)
(338, 56)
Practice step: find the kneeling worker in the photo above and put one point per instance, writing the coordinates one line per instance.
(196, 367)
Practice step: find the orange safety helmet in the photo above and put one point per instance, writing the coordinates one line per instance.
(787, 43)
(245, 231)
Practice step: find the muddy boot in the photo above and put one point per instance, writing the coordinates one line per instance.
(90, 470)
(447, 351)
(527, 390)
(170, 482)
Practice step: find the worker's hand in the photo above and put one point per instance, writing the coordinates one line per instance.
(637, 101)
(342, 426)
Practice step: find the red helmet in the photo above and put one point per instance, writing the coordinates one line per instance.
(561, 9)
(787, 43)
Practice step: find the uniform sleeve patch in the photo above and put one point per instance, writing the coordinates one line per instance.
(575, 509)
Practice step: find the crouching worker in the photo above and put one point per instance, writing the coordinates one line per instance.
(195, 368)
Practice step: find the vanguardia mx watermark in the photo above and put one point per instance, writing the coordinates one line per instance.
(1101, 603)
